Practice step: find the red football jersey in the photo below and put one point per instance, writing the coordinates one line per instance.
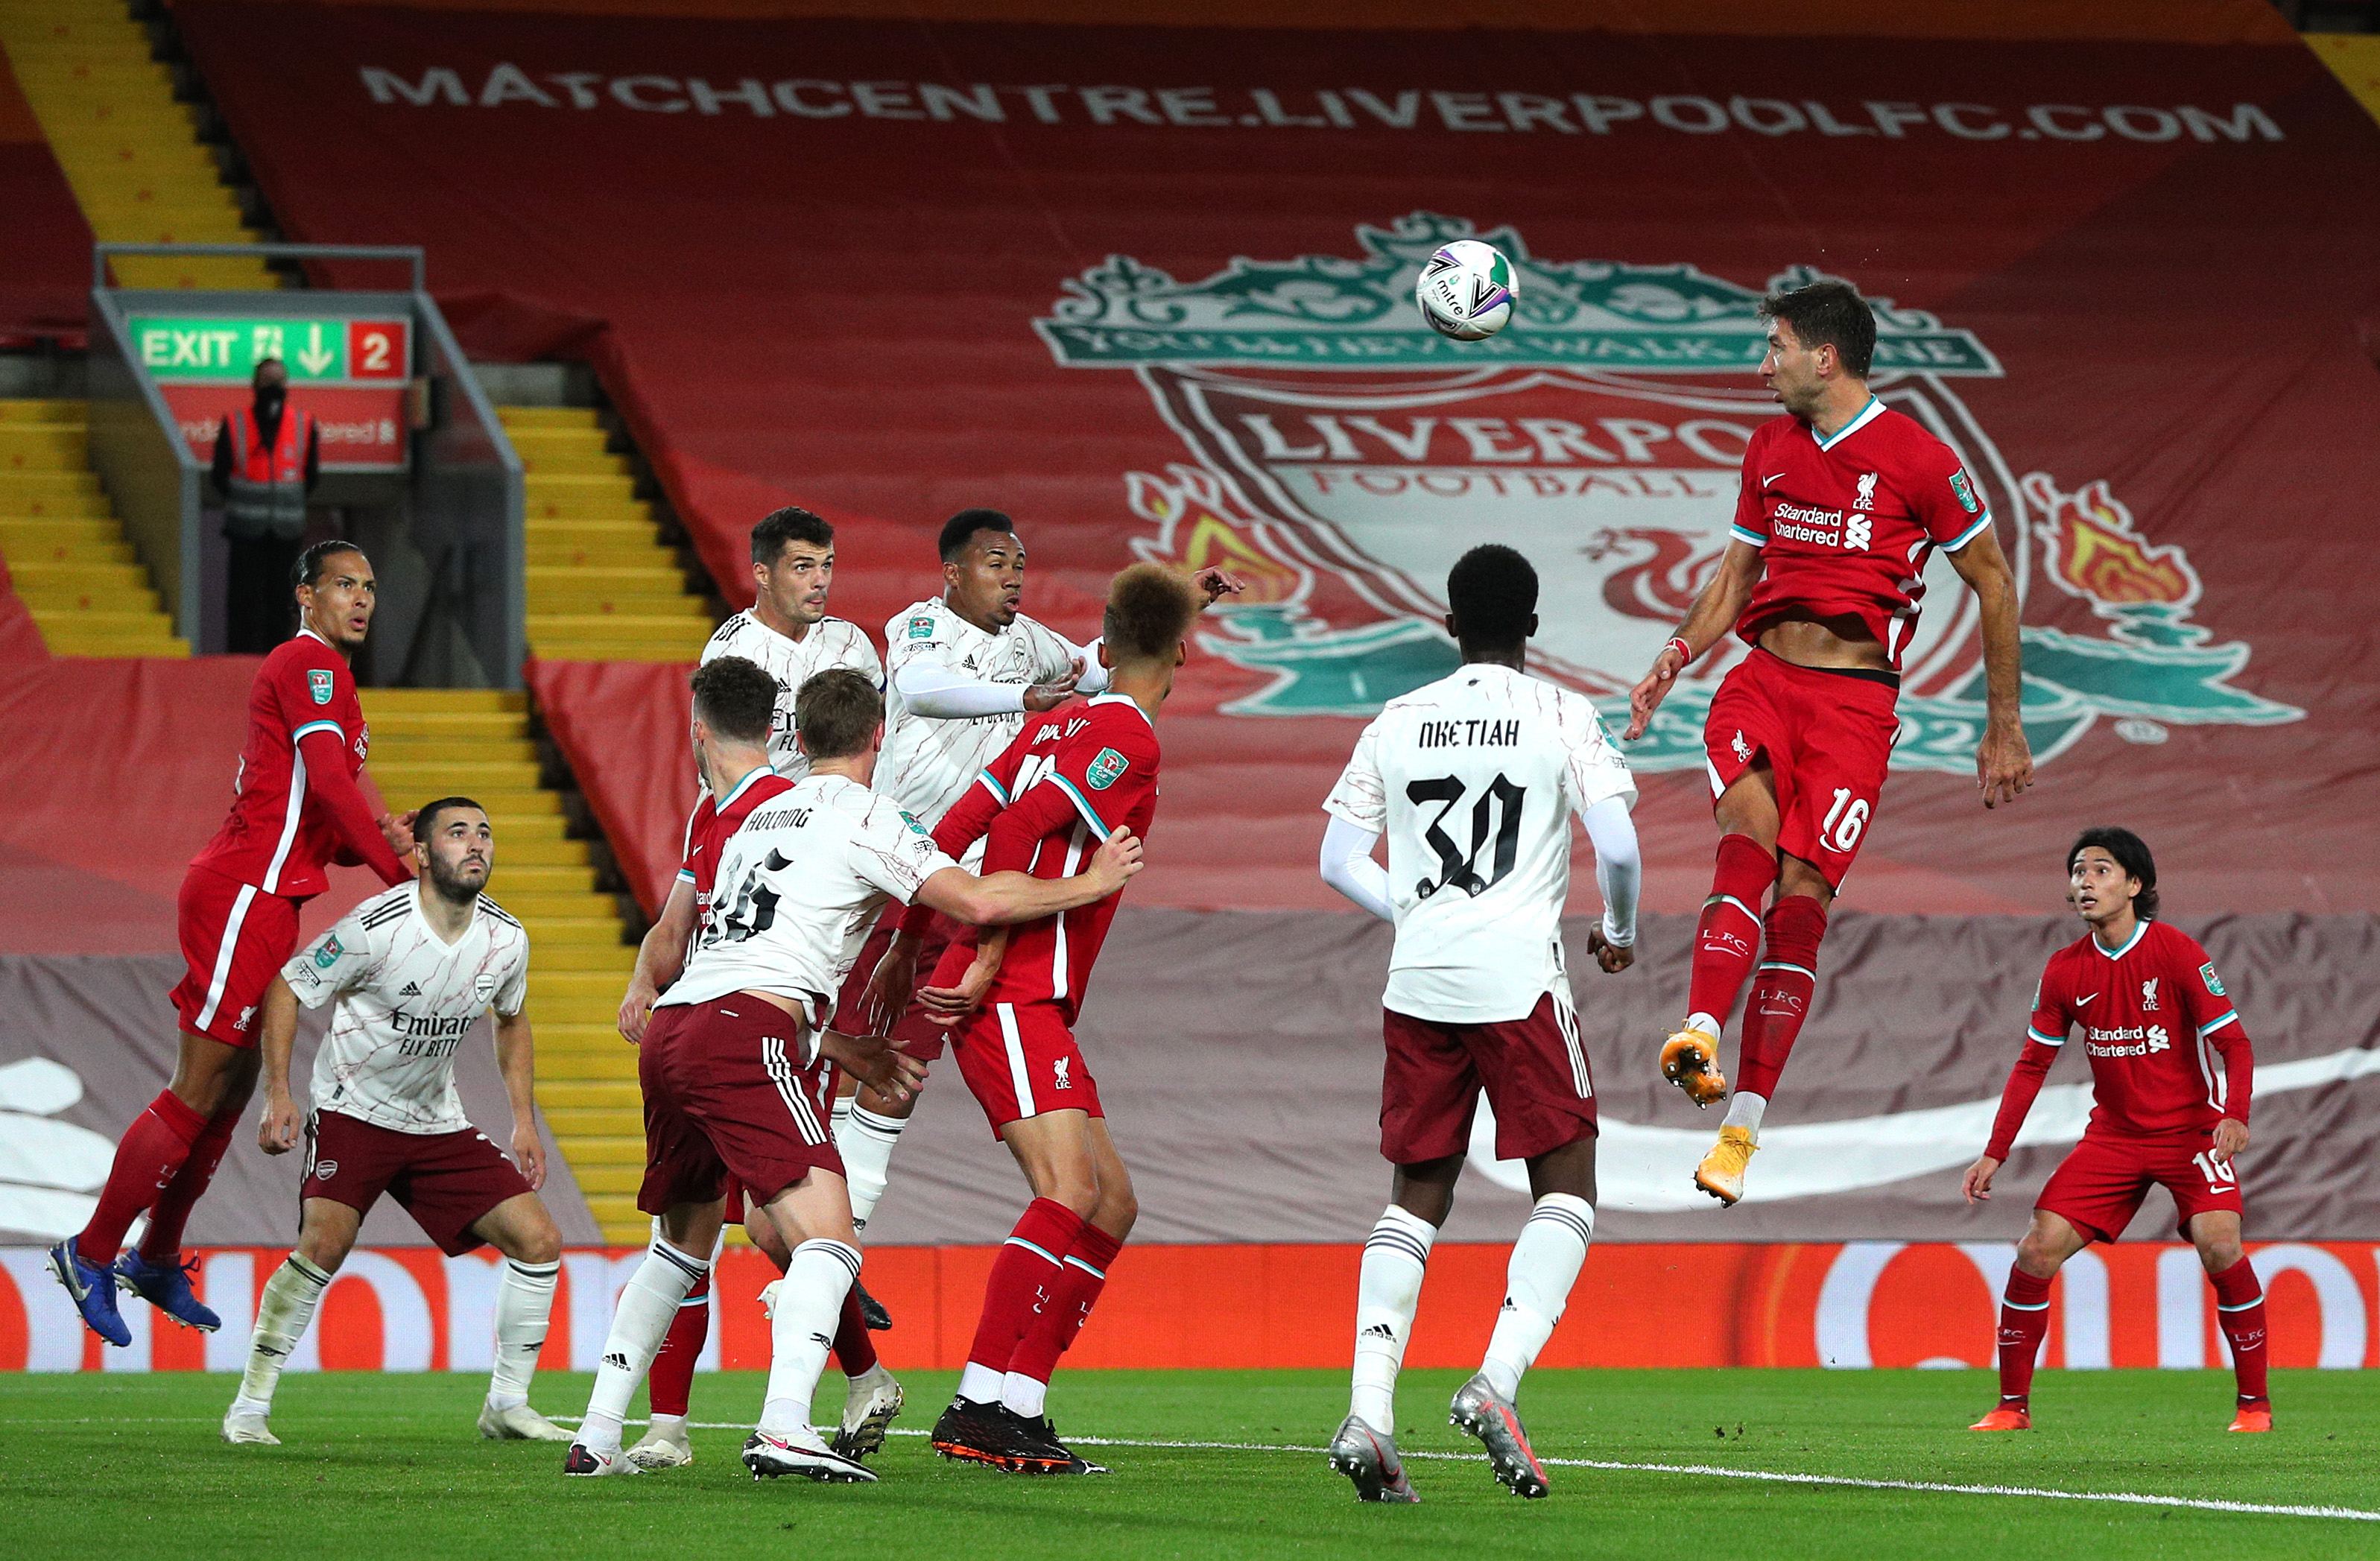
(710, 825)
(2169, 1055)
(1070, 779)
(1845, 524)
(283, 829)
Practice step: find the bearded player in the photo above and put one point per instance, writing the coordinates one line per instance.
(786, 630)
(2171, 1068)
(296, 809)
(968, 669)
(407, 974)
(1473, 779)
(1843, 502)
(736, 1066)
(1067, 782)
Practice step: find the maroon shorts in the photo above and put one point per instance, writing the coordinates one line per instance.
(725, 1095)
(1020, 1059)
(1829, 736)
(1533, 1070)
(235, 937)
(2100, 1184)
(447, 1181)
(912, 1033)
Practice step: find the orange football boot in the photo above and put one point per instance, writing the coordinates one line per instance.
(2253, 1417)
(2007, 1417)
(1690, 1060)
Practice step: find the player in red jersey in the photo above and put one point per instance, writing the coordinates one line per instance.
(2170, 1073)
(1842, 503)
(1068, 780)
(297, 807)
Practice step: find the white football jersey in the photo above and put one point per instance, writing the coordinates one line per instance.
(1474, 778)
(831, 643)
(797, 888)
(403, 1000)
(928, 763)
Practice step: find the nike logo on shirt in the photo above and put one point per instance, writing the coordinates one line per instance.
(1767, 480)
(2086, 1003)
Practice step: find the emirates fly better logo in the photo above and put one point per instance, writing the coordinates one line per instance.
(1340, 455)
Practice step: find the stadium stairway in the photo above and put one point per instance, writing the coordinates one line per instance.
(130, 152)
(67, 556)
(601, 585)
(429, 743)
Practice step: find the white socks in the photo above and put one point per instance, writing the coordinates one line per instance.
(865, 1141)
(801, 1329)
(1024, 1395)
(1545, 1264)
(282, 1317)
(1744, 1109)
(1386, 1295)
(524, 1305)
(648, 1306)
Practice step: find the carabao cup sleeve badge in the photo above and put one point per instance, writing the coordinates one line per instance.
(1105, 770)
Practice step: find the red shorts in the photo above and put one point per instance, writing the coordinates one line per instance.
(725, 1095)
(1533, 1070)
(912, 1033)
(1021, 1061)
(1829, 736)
(2100, 1184)
(447, 1181)
(235, 937)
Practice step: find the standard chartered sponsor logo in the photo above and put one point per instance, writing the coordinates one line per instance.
(2113, 1043)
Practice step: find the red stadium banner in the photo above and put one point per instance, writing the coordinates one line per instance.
(1855, 1305)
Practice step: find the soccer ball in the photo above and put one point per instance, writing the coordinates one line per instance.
(1466, 290)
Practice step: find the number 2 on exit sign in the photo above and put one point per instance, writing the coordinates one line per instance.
(377, 350)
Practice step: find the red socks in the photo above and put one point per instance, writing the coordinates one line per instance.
(853, 1349)
(1728, 936)
(149, 1159)
(1024, 1280)
(161, 1242)
(2240, 1308)
(1780, 995)
(670, 1384)
(2024, 1323)
(1080, 1279)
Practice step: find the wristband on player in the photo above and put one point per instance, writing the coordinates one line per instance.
(1685, 652)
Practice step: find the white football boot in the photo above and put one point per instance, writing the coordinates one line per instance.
(520, 1424)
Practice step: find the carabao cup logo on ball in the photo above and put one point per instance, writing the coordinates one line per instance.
(1466, 290)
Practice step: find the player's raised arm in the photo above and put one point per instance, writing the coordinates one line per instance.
(2004, 759)
(1715, 612)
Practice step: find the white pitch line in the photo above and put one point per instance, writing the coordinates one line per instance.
(2125, 1498)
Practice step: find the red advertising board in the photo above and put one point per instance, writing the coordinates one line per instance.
(363, 428)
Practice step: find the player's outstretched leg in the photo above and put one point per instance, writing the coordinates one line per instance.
(155, 1272)
(1545, 1264)
(1725, 940)
(808, 1300)
(283, 1314)
(648, 1305)
(1782, 994)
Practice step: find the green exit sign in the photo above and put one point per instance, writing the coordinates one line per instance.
(315, 351)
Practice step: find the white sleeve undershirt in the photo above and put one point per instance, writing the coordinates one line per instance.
(1619, 867)
(1347, 867)
(934, 691)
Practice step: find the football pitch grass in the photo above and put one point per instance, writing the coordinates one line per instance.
(1228, 1464)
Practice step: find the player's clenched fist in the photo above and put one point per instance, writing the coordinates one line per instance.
(277, 1135)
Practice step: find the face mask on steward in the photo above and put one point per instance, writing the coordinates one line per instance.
(268, 399)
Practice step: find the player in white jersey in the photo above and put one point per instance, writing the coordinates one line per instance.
(786, 629)
(1474, 778)
(408, 973)
(737, 1063)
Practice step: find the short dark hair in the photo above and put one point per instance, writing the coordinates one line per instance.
(426, 819)
(835, 711)
(2132, 853)
(1828, 314)
(960, 529)
(773, 531)
(1492, 593)
(735, 699)
(307, 570)
(1148, 612)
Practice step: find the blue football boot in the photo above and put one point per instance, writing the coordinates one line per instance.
(93, 1289)
(167, 1286)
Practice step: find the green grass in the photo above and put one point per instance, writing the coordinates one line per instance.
(380, 1466)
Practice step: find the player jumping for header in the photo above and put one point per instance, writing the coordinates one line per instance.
(1474, 778)
(408, 973)
(1842, 503)
(297, 809)
(2171, 1071)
